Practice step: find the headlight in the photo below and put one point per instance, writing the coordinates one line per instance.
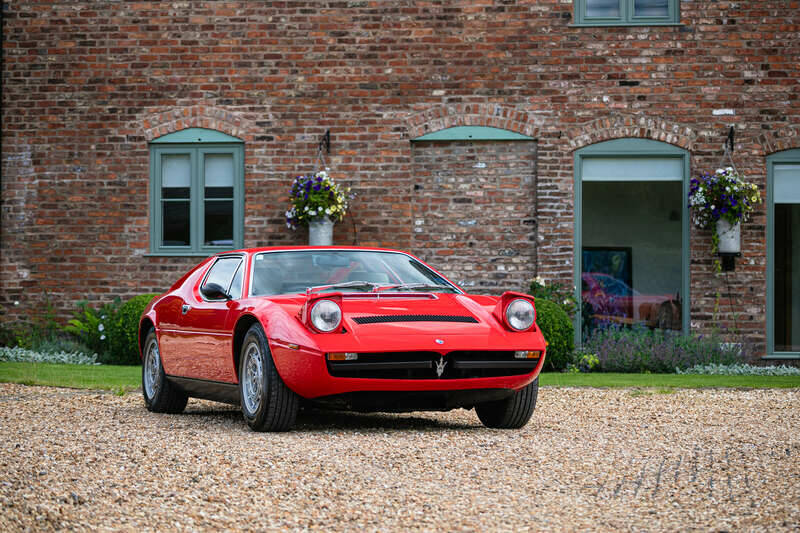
(326, 315)
(520, 314)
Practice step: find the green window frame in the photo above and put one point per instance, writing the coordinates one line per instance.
(196, 144)
(627, 15)
(631, 149)
(785, 157)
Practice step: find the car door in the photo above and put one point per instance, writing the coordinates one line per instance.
(203, 343)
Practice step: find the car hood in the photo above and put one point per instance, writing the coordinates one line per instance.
(368, 314)
(409, 315)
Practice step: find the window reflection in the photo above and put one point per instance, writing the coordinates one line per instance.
(651, 8)
(602, 8)
(787, 277)
(631, 256)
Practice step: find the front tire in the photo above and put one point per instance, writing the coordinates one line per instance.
(267, 403)
(511, 413)
(160, 396)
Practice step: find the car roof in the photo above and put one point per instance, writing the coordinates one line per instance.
(303, 248)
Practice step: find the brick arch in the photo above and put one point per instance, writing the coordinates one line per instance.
(783, 139)
(197, 116)
(620, 125)
(491, 115)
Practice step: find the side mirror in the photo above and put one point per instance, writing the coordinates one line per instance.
(214, 291)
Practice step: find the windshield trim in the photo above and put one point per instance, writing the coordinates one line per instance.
(332, 249)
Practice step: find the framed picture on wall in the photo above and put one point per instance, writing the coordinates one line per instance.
(616, 262)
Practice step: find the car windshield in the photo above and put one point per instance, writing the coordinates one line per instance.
(291, 272)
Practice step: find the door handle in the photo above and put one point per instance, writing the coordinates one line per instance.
(185, 309)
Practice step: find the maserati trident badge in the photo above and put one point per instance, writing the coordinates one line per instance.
(440, 364)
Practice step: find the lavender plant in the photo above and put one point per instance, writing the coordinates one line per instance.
(639, 349)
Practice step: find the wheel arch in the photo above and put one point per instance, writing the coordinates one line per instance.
(239, 331)
(144, 328)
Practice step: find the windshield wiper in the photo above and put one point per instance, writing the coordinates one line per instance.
(363, 285)
(412, 286)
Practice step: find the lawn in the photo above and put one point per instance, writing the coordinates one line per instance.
(103, 377)
(127, 378)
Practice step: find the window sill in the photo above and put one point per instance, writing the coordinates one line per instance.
(207, 253)
(621, 24)
(779, 356)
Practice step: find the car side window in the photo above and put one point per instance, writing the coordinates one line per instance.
(223, 272)
(236, 285)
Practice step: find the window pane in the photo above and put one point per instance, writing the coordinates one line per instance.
(651, 8)
(787, 277)
(631, 257)
(222, 272)
(602, 8)
(176, 175)
(219, 223)
(219, 175)
(787, 184)
(236, 285)
(175, 223)
(633, 169)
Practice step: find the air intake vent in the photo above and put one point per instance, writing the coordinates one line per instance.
(382, 319)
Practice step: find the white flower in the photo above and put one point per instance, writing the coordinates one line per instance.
(102, 337)
(312, 213)
(540, 280)
(100, 327)
(328, 211)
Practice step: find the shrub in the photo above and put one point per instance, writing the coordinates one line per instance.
(90, 326)
(742, 370)
(112, 330)
(124, 334)
(556, 293)
(557, 329)
(639, 349)
(19, 354)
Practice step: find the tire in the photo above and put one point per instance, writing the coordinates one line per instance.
(160, 396)
(511, 413)
(267, 403)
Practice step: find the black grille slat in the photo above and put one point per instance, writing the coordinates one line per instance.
(382, 319)
(422, 365)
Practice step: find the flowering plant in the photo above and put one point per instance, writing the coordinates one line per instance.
(722, 195)
(313, 197)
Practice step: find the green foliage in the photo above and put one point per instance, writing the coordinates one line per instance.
(91, 326)
(584, 362)
(125, 333)
(112, 330)
(558, 331)
(556, 293)
(19, 354)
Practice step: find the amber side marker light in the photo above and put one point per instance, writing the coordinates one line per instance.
(342, 356)
(533, 354)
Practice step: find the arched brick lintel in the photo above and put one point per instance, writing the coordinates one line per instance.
(490, 115)
(619, 126)
(197, 116)
(782, 139)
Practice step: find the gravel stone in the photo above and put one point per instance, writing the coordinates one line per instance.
(590, 459)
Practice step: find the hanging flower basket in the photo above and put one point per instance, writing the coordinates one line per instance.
(722, 201)
(316, 201)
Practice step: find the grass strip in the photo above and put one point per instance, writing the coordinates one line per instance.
(127, 378)
(684, 381)
(99, 377)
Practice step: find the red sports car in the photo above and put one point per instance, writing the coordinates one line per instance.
(366, 329)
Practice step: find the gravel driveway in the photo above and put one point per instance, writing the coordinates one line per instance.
(590, 459)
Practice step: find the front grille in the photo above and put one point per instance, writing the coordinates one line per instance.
(382, 319)
(431, 365)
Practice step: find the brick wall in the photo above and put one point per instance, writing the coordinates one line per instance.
(473, 210)
(87, 84)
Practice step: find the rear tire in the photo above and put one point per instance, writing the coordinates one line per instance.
(511, 413)
(267, 403)
(160, 396)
